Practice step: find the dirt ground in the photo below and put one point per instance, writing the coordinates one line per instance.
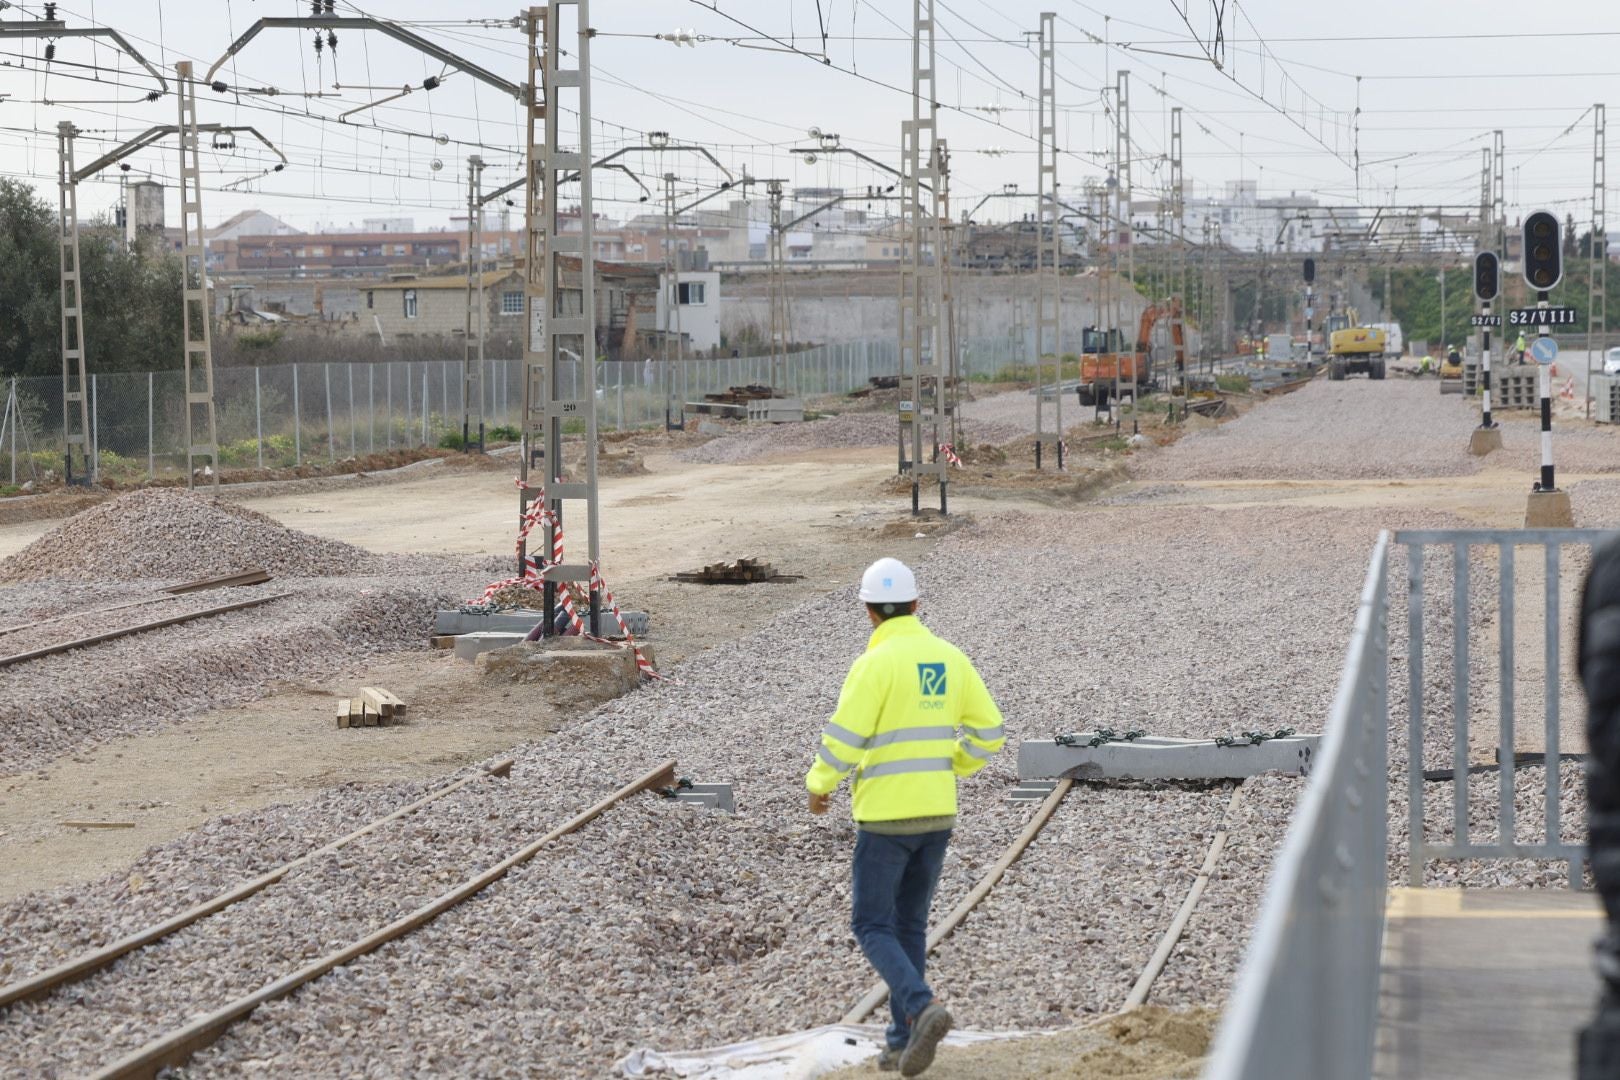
(1151, 1043)
(818, 514)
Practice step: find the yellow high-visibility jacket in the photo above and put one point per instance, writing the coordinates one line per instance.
(897, 726)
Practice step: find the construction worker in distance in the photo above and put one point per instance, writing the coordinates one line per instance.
(1518, 348)
(912, 717)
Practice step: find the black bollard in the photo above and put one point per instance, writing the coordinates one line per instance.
(1599, 1042)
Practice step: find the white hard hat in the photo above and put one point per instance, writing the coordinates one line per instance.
(888, 581)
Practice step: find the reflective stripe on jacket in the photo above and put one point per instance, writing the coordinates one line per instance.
(913, 716)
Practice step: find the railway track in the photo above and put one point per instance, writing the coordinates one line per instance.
(22, 642)
(983, 890)
(222, 942)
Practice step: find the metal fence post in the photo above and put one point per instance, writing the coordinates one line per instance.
(424, 404)
(371, 408)
(151, 456)
(388, 415)
(331, 435)
(298, 423)
(350, 366)
(410, 403)
(444, 389)
(95, 432)
(258, 415)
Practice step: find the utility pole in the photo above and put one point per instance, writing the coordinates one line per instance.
(1597, 308)
(472, 360)
(196, 317)
(776, 280)
(1128, 233)
(566, 317)
(75, 382)
(1178, 212)
(1499, 195)
(946, 256)
(671, 287)
(1048, 294)
(922, 282)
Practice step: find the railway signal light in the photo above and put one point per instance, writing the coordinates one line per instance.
(1487, 279)
(1543, 251)
(1310, 271)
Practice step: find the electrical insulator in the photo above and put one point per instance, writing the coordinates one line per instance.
(50, 50)
(331, 40)
(319, 44)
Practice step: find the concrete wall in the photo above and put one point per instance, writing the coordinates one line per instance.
(839, 308)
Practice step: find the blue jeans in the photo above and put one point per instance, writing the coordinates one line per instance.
(894, 879)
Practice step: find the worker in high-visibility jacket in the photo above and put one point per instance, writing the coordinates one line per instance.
(912, 717)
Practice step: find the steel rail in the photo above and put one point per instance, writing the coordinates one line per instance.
(156, 624)
(89, 963)
(879, 991)
(175, 1048)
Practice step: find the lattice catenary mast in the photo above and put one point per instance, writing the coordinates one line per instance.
(196, 317)
(1048, 295)
(922, 262)
(566, 317)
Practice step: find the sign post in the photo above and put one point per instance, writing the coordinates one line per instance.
(1543, 270)
(1487, 285)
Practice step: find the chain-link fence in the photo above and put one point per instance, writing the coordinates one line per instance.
(295, 414)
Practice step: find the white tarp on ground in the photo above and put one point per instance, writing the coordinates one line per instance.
(800, 1055)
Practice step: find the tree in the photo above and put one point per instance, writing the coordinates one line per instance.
(132, 313)
(29, 332)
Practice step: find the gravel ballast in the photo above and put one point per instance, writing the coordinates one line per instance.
(666, 925)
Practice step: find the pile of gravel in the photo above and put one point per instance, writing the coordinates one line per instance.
(170, 534)
(1351, 430)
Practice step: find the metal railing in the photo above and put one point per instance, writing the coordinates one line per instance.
(1306, 999)
(1462, 543)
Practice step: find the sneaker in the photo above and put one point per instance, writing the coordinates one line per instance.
(889, 1060)
(930, 1026)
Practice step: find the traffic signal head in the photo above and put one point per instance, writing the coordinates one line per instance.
(1486, 279)
(1543, 251)
(1310, 271)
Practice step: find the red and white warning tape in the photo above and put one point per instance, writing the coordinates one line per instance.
(949, 453)
(536, 569)
(1567, 392)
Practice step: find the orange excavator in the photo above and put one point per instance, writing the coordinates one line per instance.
(1105, 358)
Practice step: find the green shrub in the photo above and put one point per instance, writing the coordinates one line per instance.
(1233, 384)
(504, 433)
(452, 440)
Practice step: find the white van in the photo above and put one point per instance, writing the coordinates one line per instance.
(1394, 340)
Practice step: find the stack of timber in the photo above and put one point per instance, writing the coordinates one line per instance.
(374, 707)
(742, 572)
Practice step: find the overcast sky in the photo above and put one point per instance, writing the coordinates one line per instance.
(1280, 112)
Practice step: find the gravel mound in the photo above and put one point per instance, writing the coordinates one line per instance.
(169, 534)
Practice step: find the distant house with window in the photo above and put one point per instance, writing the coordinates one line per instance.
(409, 306)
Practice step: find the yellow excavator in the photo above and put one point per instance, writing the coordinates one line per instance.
(1354, 349)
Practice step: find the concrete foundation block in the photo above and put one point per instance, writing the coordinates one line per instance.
(1484, 440)
(1549, 510)
(471, 646)
(570, 673)
(458, 622)
(1153, 758)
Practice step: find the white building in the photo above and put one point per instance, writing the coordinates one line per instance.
(699, 301)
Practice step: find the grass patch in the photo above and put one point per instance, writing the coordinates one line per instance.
(1232, 384)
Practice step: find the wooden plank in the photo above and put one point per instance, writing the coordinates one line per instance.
(343, 710)
(175, 1048)
(397, 702)
(86, 964)
(376, 700)
(253, 576)
(442, 641)
(50, 650)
